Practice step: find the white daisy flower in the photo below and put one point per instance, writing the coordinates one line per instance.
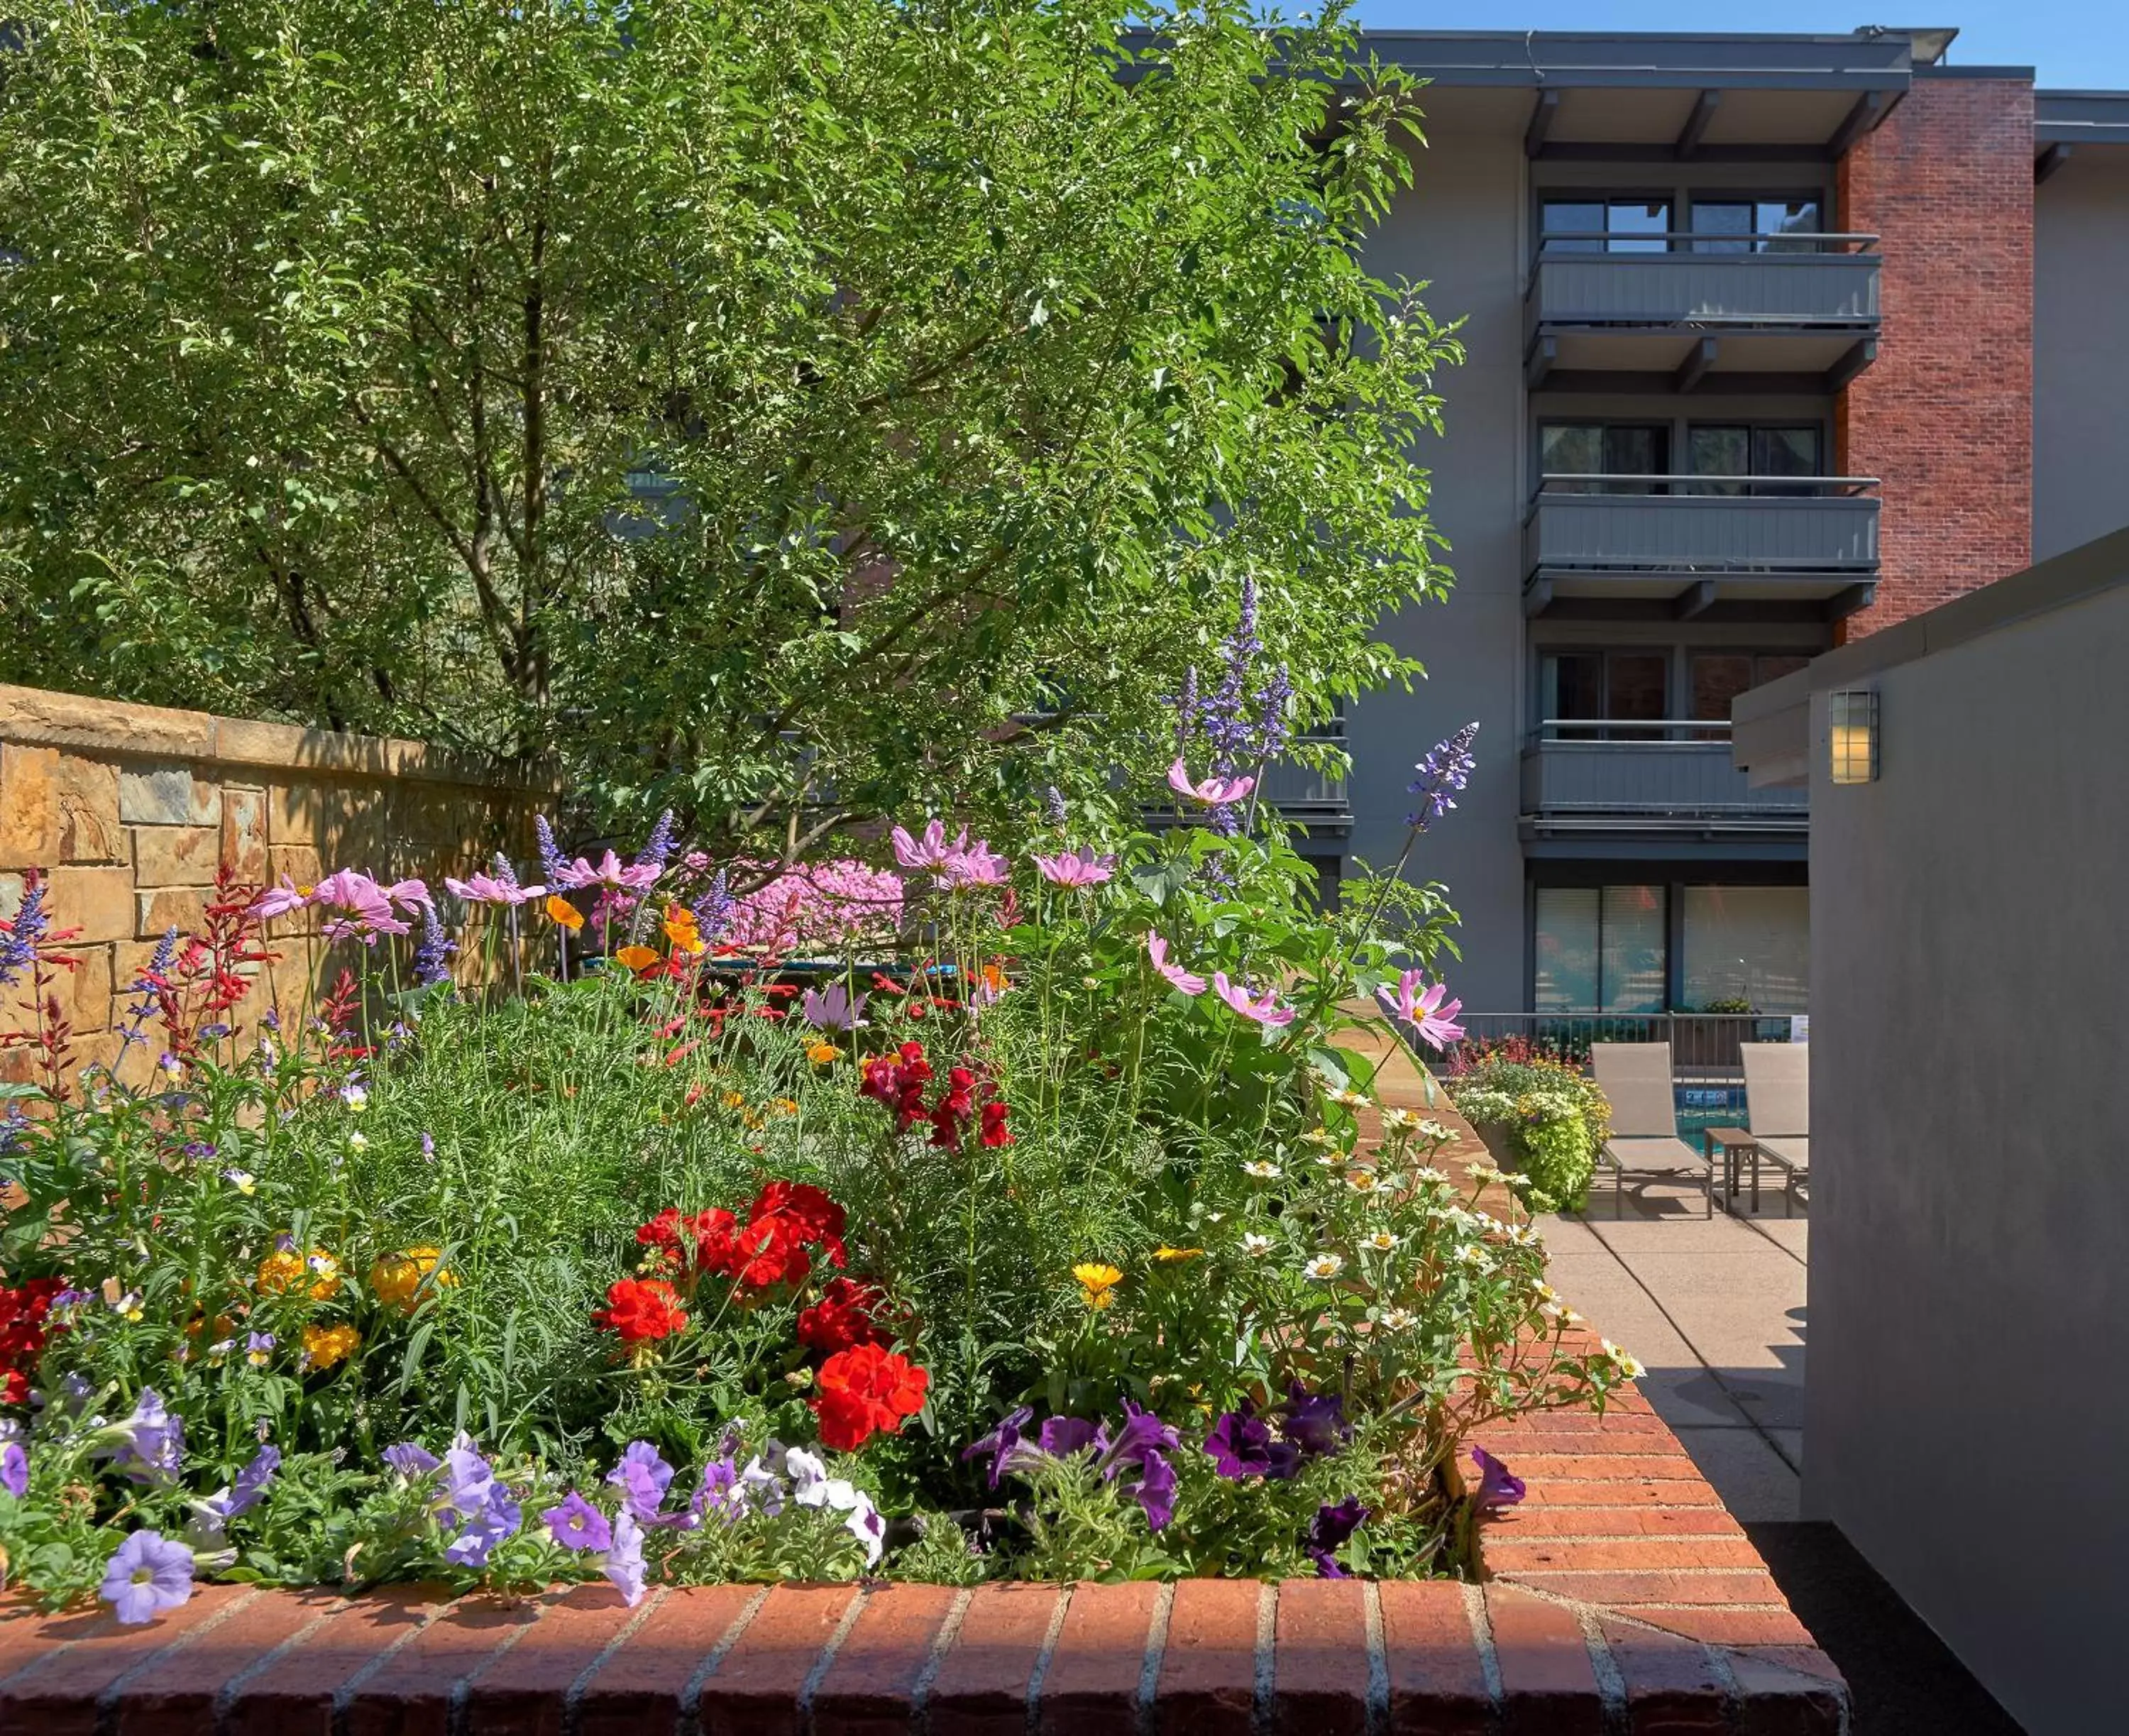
(1254, 1246)
(1362, 1181)
(1349, 1100)
(1629, 1365)
(1322, 1136)
(1426, 1172)
(1398, 1319)
(1472, 1254)
(1399, 1121)
(1263, 1168)
(1329, 1160)
(1382, 1241)
(1434, 1130)
(356, 1142)
(1324, 1267)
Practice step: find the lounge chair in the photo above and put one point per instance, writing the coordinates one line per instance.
(1635, 1079)
(1778, 1111)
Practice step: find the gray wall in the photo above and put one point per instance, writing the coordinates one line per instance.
(1968, 1410)
(1461, 226)
(2081, 349)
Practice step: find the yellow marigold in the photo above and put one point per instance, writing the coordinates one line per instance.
(325, 1346)
(821, 1053)
(1175, 1256)
(284, 1269)
(1099, 1282)
(396, 1279)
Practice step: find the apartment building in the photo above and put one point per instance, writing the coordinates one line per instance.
(1774, 342)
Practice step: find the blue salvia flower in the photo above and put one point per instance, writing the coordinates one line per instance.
(504, 874)
(1447, 767)
(713, 909)
(18, 940)
(432, 956)
(1227, 728)
(1053, 800)
(551, 858)
(1186, 710)
(14, 1129)
(141, 1002)
(1271, 730)
(659, 844)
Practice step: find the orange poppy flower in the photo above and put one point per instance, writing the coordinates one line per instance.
(638, 959)
(561, 910)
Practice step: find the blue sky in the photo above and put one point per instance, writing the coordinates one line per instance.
(2075, 44)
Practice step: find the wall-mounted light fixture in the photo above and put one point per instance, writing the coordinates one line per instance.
(1852, 720)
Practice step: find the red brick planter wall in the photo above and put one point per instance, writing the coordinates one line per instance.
(1626, 1599)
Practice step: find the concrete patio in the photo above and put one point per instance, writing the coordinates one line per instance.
(1715, 1309)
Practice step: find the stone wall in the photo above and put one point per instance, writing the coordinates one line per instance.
(131, 810)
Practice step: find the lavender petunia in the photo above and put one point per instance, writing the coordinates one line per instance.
(469, 1480)
(643, 1478)
(410, 1462)
(15, 1469)
(499, 1517)
(149, 1445)
(575, 1524)
(252, 1482)
(148, 1574)
(624, 1560)
(720, 1491)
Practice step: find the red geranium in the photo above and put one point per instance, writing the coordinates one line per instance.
(866, 1390)
(842, 1318)
(686, 1247)
(22, 1315)
(641, 1309)
(770, 1250)
(809, 1215)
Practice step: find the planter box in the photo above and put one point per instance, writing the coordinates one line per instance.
(1498, 1137)
(1652, 1603)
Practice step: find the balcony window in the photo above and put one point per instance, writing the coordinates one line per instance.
(1600, 949)
(1731, 449)
(1604, 449)
(1749, 944)
(1607, 225)
(1594, 687)
(1755, 225)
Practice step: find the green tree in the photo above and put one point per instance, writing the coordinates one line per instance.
(790, 409)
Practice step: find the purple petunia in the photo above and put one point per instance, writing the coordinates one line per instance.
(252, 1482)
(15, 1469)
(643, 1478)
(1498, 1487)
(577, 1524)
(1000, 1441)
(720, 1491)
(1061, 1436)
(1335, 1522)
(1137, 1457)
(1241, 1445)
(148, 1574)
(1315, 1422)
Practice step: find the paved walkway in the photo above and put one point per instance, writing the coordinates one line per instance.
(1715, 1309)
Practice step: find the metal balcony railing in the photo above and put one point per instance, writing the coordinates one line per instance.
(1701, 524)
(1712, 283)
(1670, 771)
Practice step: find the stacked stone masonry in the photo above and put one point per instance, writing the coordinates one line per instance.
(132, 809)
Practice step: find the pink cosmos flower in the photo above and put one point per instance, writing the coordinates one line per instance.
(1263, 1010)
(279, 900)
(363, 908)
(1078, 869)
(977, 865)
(408, 894)
(1156, 949)
(485, 889)
(1424, 1010)
(634, 877)
(1215, 792)
(931, 851)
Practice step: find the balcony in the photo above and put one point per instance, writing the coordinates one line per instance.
(1763, 547)
(1771, 313)
(1671, 778)
(1316, 800)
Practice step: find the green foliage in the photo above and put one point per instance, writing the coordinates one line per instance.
(758, 403)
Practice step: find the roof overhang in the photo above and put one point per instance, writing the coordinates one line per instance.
(2067, 123)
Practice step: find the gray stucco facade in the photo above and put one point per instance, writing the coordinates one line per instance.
(1969, 1399)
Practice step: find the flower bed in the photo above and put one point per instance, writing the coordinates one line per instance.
(1540, 1115)
(1073, 1249)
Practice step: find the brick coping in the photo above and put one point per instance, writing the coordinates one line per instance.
(1620, 1595)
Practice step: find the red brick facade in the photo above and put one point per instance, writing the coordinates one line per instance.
(1945, 418)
